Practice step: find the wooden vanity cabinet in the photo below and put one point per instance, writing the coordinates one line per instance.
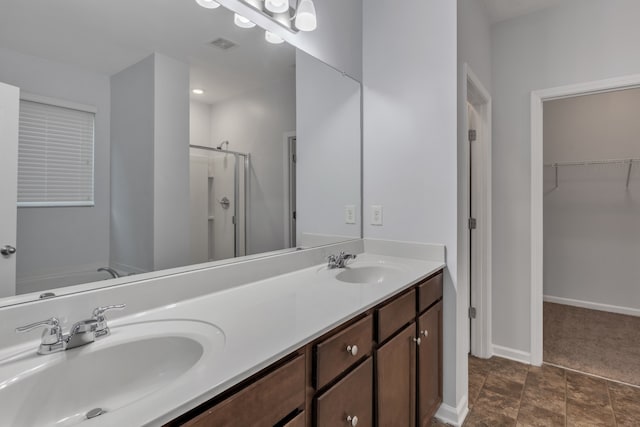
(383, 368)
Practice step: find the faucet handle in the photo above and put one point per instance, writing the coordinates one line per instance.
(52, 333)
(99, 311)
(98, 314)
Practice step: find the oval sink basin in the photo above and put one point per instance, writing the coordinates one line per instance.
(367, 274)
(133, 363)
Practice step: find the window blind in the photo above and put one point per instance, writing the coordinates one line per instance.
(55, 155)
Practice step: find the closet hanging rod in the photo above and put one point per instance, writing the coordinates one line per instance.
(628, 162)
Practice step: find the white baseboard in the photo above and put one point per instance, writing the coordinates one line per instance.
(453, 416)
(512, 354)
(593, 305)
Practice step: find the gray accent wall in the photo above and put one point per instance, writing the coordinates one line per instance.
(56, 240)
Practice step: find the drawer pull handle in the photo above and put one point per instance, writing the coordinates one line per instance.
(353, 350)
(424, 333)
(353, 421)
(417, 340)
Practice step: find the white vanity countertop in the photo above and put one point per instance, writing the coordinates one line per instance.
(262, 322)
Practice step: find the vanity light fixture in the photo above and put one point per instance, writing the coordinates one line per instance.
(208, 4)
(272, 37)
(198, 91)
(277, 6)
(242, 22)
(306, 19)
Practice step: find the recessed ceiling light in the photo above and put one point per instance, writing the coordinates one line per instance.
(198, 91)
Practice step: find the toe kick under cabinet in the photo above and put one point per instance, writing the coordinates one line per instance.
(382, 368)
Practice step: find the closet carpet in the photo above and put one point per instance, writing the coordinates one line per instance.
(591, 341)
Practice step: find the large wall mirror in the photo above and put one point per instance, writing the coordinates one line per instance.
(159, 134)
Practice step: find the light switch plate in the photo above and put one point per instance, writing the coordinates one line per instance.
(376, 214)
(350, 214)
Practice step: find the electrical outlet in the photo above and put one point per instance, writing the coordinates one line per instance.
(350, 214)
(376, 214)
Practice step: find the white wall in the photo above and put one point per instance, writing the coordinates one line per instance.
(256, 123)
(577, 41)
(132, 159)
(328, 151)
(591, 232)
(410, 144)
(171, 163)
(53, 240)
(150, 160)
(337, 40)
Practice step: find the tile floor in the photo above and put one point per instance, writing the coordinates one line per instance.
(507, 393)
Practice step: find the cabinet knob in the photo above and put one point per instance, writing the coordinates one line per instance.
(353, 350)
(352, 420)
(7, 250)
(424, 333)
(417, 340)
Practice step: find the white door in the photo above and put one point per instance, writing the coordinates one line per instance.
(9, 110)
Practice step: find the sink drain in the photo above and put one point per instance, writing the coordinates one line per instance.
(96, 412)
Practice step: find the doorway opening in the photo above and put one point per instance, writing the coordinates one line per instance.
(540, 181)
(476, 205)
(591, 202)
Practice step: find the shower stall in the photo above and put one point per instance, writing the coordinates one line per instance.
(218, 186)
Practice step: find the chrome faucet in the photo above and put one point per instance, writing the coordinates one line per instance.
(81, 333)
(111, 271)
(340, 260)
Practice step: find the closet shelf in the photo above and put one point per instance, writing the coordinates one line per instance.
(628, 162)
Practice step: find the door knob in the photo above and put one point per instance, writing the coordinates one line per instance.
(352, 420)
(7, 250)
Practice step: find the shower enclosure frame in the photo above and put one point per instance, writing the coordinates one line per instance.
(246, 157)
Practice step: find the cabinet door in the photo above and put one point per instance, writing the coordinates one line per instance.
(429, 363)
(396, 380)
(350, 401)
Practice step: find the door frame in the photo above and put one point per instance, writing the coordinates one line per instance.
(537, 237)
(287, 203)
(475, 93)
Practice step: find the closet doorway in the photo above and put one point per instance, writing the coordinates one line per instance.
(589, 298)
(475, 183)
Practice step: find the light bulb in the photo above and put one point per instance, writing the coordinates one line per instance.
(198, 91)
(208, 4)
(306, 16)
(242, 22)
(277, 6)
(273, 38)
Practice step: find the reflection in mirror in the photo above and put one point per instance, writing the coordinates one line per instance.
(156, 135)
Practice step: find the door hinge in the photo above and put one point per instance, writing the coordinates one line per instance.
(293, 158)
(472, 135)
(472, 312)
(473, 224)
(233, 220)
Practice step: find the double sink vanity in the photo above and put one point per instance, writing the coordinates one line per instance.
(356, 344)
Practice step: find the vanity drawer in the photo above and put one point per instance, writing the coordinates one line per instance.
(261, 404)
(429, 292)
(394, 315)
(352, 396)
(337, 353)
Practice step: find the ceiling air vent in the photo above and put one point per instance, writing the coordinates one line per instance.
(223, 44)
